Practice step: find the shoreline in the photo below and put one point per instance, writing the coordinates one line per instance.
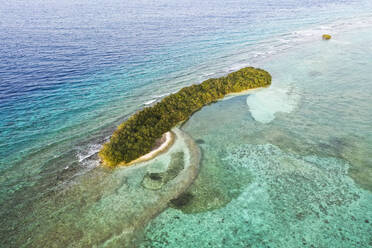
(169, 138)
(244, 92)
(131, 139)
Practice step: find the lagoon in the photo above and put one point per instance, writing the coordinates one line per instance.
(286, 166)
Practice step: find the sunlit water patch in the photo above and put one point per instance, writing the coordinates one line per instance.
(264, 104)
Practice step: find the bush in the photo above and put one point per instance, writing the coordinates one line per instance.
(136, 136)
(326, 37)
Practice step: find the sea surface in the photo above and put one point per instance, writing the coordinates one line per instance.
(287, 166)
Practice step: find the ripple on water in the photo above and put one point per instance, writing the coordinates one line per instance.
(112, 206)
(293, 201)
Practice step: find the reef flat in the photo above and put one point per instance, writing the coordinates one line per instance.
(137, 136)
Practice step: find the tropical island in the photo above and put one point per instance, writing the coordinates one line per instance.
(140, 134)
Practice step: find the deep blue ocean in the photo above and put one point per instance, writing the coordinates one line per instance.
(71, 71)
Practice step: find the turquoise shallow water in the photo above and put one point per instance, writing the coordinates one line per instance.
(280, 167)
(286, 166)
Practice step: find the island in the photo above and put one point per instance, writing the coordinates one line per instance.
(326, 37)
(140, 134)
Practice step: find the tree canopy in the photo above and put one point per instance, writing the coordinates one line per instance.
(137, 136)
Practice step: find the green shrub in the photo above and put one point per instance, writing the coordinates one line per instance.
(326, 37)
(136, 136)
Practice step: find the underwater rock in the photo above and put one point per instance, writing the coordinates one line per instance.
(182, 200)
(155, 181)
(200, 141)
(326, 37)
(314, 73)
(155, 176)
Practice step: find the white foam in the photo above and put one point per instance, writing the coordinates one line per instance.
(156, 98)
(88, 152)
(162, 95)
(150, 102)
(264, 104)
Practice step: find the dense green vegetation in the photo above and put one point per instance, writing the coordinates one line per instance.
(136, 136)
(326, 37)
